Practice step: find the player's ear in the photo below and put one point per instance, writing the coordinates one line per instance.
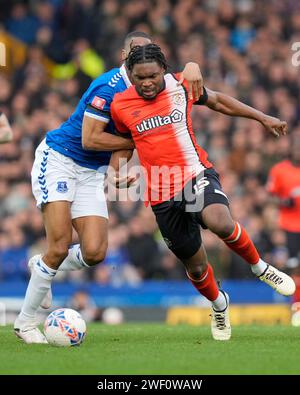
(123, 54)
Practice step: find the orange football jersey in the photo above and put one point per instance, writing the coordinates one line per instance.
(162, 131)
(284, 182)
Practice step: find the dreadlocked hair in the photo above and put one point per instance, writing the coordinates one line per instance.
(146, 54)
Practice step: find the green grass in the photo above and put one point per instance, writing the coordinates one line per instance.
(158, 349)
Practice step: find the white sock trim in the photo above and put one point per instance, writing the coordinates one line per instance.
(43, 270)
(238, 235)
(79, 256)
(38, 286)
(220, 303)
(73, 261)
(197, 281)
(259, 267)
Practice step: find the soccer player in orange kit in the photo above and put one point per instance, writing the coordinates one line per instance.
(156, 113)
(284, 183)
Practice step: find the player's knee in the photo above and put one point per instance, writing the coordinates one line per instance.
(196, 272)
(197, 265)
(93, 256)
(223, 226)
(59, 251)
(225, 230)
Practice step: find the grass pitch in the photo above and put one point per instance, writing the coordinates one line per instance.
(145, 349)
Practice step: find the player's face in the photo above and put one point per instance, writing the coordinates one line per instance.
(134, 42)
(148, 79)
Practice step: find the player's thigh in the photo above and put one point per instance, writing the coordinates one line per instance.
(214, 213)
(89, 199)
(90, 215)
(217, 218)
(92, 232)
(179, 229)
(58, 224)
(53, 177)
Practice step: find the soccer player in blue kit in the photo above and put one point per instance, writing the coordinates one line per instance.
(68, 184)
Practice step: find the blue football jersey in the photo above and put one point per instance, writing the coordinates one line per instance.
(94, 103)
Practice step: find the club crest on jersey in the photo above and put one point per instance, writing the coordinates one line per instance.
(62, 187)
(158, 121)
(98, 102)
(136, 113)
(178, 99)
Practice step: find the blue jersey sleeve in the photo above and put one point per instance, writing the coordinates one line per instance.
(98, 102)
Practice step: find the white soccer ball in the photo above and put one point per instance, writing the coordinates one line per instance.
(65, 327)
(296, 318)
(112, 316)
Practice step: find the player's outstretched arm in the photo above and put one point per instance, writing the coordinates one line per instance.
(95, 138)
(6, 133)
(228, 105)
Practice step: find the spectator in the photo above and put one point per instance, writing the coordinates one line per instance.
(284, 183)
(82, 302)
(243, 52)
(6, 133)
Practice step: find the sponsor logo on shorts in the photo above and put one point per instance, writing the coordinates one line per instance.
(62, 187)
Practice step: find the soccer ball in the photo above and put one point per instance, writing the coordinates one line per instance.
(112, 316)
(65, 327)
(296, 318)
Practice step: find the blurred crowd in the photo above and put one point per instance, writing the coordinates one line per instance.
(243, 48)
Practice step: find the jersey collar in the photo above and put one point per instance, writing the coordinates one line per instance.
(124, 75)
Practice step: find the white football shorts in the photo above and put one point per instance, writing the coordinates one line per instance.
(56, 177)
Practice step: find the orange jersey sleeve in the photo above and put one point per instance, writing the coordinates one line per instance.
(120, 126)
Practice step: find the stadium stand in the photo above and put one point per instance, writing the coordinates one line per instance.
(243, 48)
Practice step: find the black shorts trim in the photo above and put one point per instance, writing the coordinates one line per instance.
(213, 198)
(179, 218)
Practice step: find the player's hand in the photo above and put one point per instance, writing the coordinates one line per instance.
(288, 203)
(192, 74)
(124, 182)
(275, 126)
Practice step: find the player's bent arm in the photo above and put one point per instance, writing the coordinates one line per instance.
(275, 190)
(117, 161)
(192, 74)
(288, 202)
(228, 105)
(6, 133)
(120, 158)
(95, 138)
